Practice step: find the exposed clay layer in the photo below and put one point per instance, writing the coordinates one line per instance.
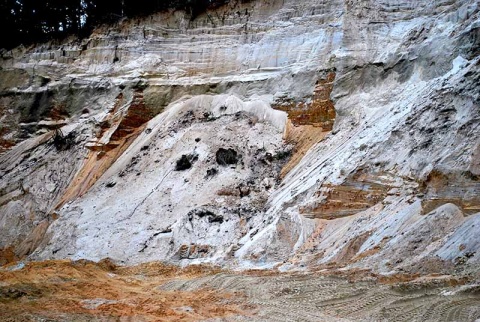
(7, 255)
(302, 137)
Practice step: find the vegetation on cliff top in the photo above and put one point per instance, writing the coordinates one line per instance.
(32, 21)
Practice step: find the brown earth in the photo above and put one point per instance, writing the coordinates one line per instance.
(302, 137)
(85, 291)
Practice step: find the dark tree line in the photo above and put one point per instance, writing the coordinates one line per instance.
(32, 21)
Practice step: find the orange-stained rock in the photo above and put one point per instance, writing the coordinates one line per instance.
(104, 152)
(320, 112)
(309, 123)
(356, 194)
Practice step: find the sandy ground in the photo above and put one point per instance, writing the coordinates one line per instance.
(87, 291)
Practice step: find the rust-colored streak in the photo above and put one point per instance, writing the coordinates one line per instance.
(29, 244)
(16, 252)
(356, 194)
(303, 138)
(58, 113)
(348, 252)
(308, 123)
(6, 145)
(320, 112)
(7, 255)
(102, 156)
(96, 164)
(344, 200)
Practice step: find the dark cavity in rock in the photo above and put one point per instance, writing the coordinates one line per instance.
(185, 162)
(211, 172)
(201, 213)
(63, 142)
(227, 156)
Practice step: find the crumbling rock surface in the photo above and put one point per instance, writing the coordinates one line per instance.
(318, 134)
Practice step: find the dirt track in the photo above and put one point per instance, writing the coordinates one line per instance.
(85, 291)
(319, 298)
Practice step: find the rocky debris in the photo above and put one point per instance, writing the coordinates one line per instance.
(209, 117)
(110, 184)
(15, 292)
(130, 166)
(243, 190)
(180, 192)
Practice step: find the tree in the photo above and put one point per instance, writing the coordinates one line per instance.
(10, 13)
(31, 21)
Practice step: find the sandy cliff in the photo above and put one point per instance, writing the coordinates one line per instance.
(312, 134)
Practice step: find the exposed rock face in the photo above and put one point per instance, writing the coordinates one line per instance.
(355, 127)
